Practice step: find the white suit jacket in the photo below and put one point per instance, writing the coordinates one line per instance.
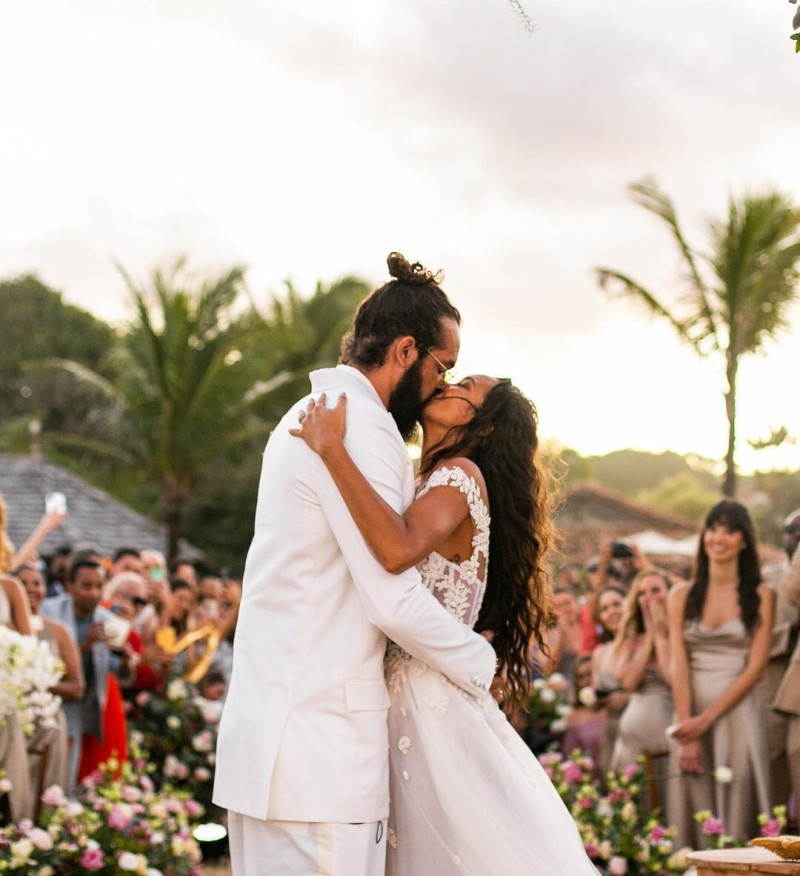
(303, 734)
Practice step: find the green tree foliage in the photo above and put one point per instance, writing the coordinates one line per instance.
(738, 293)
(306, 334)
(37, 324)
(686, 494)
(194, 386)
(173, 405)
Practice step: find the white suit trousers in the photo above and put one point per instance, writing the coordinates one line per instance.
(299, 848)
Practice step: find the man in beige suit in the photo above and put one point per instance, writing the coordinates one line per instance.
(302, 757)
(787, 699)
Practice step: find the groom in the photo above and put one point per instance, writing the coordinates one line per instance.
(302, 753)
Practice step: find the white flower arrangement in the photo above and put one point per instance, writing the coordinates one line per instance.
(28, 670)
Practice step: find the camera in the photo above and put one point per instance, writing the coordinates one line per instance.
(620, 550)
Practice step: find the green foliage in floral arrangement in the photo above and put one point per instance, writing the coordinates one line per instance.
(547, 712)
(179, 737)
(119, 824)
(619, 833)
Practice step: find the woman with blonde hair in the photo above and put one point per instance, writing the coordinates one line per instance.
(643, 645)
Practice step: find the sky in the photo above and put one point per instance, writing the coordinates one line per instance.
(306, 140)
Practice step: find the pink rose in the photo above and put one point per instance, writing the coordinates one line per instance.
(617, 866)
(591, 849)
(712, 827)
(92, 859)
(657, 834)
(193, 808)
(118, 818)
(771, 828)
(54, 796)
(143, 698)
(630, 770)
(130, 794)
(572, 773)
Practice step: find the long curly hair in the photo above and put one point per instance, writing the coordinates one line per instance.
(501, 439)
(412, 303)
(735, 517)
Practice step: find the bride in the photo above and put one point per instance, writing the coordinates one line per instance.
(467, 795)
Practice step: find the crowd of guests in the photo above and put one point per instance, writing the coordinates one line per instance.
(121, 624)
(697, 668)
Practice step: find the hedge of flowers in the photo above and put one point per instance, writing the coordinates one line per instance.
(618, 832)
(115, 826)
(179, 733)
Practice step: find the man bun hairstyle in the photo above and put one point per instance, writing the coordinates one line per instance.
(411, 304)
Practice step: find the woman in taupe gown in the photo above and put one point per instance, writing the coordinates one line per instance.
(720, 631)
(642, 643)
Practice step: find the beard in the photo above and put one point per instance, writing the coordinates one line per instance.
(406, 401)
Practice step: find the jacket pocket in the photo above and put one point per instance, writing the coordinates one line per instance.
(366, 695)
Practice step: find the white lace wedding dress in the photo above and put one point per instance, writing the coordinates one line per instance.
(468, 796)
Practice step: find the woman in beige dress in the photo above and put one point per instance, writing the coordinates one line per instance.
(607, 666)
(720, 631)
(643, 645)
(71, 686)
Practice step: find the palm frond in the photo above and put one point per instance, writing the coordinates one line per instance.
(649, 195)
(80, 372)
(624, 286)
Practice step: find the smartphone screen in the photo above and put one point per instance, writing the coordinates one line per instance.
(55, 503)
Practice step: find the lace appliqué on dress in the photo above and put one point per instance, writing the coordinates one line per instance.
(460, 586)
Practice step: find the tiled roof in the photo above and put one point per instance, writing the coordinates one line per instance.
(590, 505)
(92, 515)
(589, 514)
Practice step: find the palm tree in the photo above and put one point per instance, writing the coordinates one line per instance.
(306, 334)
(738, 294)
(175, 404)
(201, 374)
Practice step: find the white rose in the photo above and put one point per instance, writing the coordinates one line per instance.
(20, 852)
(680, 860)
(177, 690)
(723, 775)
(132, 863)
(547, 695)
(173, 722)
(587, 697)
(558, 726)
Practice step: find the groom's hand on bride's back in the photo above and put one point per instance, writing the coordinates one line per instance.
(500, 679)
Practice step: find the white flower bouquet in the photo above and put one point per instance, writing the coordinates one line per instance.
(28, 670)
